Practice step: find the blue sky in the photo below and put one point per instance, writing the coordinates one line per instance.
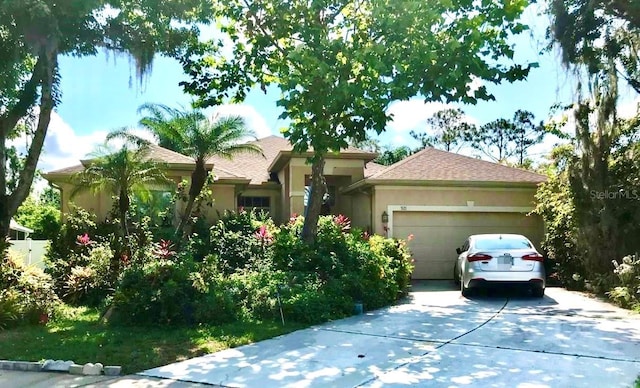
(101, 93)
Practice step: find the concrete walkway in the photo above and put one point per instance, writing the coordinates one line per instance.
(439, 338)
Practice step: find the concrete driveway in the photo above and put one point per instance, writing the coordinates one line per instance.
(438, 338)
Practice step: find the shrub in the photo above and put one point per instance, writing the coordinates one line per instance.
(26, 293)
(85, 259)
(314, 302)
(157, 292)
(555, 205)
(64, 250)
(627, 293)
(252, 262)
(88, 283)
(43, 218)
(347, 265)
(256, 292)
(240, 240)
(401, 263)
(9, 308)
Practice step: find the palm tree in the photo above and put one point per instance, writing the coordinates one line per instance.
(122, 173)
(191, 133)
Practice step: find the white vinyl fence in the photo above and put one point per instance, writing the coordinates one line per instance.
(31, 251)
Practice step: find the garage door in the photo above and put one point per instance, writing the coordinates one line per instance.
(438, 234)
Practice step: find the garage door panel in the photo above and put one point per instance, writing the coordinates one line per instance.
(438, 234)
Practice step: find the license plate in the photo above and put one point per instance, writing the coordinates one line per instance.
(505, 260)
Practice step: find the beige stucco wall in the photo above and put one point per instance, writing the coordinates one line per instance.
(338, 172)
(361, 209)
(447, 196)
(274, 199)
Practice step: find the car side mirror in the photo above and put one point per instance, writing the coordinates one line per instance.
(458, 250)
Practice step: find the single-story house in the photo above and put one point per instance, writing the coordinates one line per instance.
(438, 197)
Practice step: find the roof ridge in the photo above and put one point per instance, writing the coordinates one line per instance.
(56, 171)
(455, 154)
(159, 147)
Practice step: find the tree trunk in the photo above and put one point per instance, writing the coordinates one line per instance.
(123, 205)
(198, 179)
(9, 203)
(314, 205)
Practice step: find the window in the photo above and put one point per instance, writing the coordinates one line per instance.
(502, 243)
(259, 204)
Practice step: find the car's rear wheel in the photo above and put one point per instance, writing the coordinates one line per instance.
(538, 292)
(456, 275)
(465, 291)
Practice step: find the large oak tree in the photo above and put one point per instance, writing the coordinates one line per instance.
(340, 63)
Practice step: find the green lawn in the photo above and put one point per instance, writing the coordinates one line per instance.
(79, 337)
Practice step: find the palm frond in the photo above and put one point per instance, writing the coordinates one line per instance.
(128, 137)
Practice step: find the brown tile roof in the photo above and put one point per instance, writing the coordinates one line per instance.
(157, 153)
(249, 165)
(432, 164)
(67, 170)
(160, 154)
(255, 167)
(373, 168)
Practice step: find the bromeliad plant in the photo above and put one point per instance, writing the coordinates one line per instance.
(164, 250)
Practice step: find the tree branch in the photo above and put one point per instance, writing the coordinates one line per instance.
(28, 97)
(273, 41)
(50, 58)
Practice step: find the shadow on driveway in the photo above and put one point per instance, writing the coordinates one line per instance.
(438, 338)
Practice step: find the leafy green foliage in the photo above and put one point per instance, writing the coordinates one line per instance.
(26, 293)
(121, 173)
(252, 263)
(340, 64)
(591, 207)
(156, 292)
(193, 134)
(596, 35)
(85, 259)
(88, 282)
(390, 155)
(34, 33)
(627, 292)
(236, 240)
(43, 218)
(555, 206)
(63, 250)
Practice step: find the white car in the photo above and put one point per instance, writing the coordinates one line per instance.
(487, 259)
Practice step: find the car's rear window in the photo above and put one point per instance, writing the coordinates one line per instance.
(502, 243)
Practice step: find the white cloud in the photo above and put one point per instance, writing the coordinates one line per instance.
(62, 146)
(413, 114)
(252, 117)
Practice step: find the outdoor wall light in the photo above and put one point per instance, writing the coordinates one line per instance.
(385, 217)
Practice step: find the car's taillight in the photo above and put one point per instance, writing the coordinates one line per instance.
(478, 257)
(533, 256)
